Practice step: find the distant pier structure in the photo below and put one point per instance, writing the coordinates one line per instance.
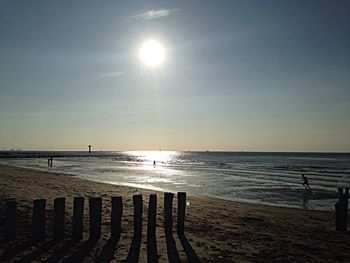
(89, 148)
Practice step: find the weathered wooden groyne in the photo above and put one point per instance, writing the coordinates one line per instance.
(39, 224)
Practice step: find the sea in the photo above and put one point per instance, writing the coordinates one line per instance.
(253, 177)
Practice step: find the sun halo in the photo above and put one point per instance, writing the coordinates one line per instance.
(152, 53)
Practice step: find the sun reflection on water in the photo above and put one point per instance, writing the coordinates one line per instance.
(152, 169)
(148, 157)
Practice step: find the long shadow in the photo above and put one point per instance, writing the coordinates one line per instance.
(39, 251)
(190, 253)
(134, 252)
(11, 252)
(173, 254)
(108, 251)
(15, 250)
(60, 252)
(152, 255)
(4, 241)
(82, 251)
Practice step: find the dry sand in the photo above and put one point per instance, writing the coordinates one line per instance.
(218, 230)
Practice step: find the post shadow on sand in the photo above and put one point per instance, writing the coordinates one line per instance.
(60, 252)
(181, 205)
(152, 255)
(173, 255)
(10, 221)
(39, 232)
(108, 251)
(11, 252)
(82, 251)
(77, 229)
(4, 241)
(43, 248)
(58, 233)
(20, 248)
(38, 228)
(134, 252)
(95, 216)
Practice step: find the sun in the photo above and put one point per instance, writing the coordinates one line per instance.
(152, 53)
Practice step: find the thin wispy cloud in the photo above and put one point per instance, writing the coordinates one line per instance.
(154, 14)
(110, 75)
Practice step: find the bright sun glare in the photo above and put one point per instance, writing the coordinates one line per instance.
(152, 53)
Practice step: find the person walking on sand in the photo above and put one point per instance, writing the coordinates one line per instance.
(306, 182)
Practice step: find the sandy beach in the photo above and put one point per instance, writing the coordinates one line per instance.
(218, 230)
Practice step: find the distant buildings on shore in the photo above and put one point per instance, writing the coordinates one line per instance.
(12, 150)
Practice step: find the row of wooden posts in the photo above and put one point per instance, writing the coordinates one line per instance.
(95, 216)
(341, 210)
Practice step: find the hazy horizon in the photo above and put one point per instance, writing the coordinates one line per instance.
(165, 150)
(269, 76)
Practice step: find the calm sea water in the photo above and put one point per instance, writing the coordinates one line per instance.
(270, 178)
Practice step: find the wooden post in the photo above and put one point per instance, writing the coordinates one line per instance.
(95, 209)
(78, 212)
(346, 200)
(152, 215)
(38, 223)
(151, 229)
(339, 218)
(58, 218)
(181, 212)
(116, 216)
(340, 192)
(137, 201)
(134, 251)
(168, 212)
(341, 210)
(11, 210)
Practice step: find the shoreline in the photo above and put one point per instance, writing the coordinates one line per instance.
(242, 200)
(218, 230)
(160, 191)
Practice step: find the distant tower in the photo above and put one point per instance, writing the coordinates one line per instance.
(89, 148)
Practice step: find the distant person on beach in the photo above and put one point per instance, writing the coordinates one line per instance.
(51, 159)
(306, 182)
(154, 163)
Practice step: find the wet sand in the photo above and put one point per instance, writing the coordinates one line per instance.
(218, 230)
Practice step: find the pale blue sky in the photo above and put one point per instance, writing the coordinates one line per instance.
(238, 75)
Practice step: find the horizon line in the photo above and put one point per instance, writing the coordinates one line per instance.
(167, 150)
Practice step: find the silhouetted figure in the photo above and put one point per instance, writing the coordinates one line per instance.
(306, 182)
(89, 148)
(51, 159)
(154, 163)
